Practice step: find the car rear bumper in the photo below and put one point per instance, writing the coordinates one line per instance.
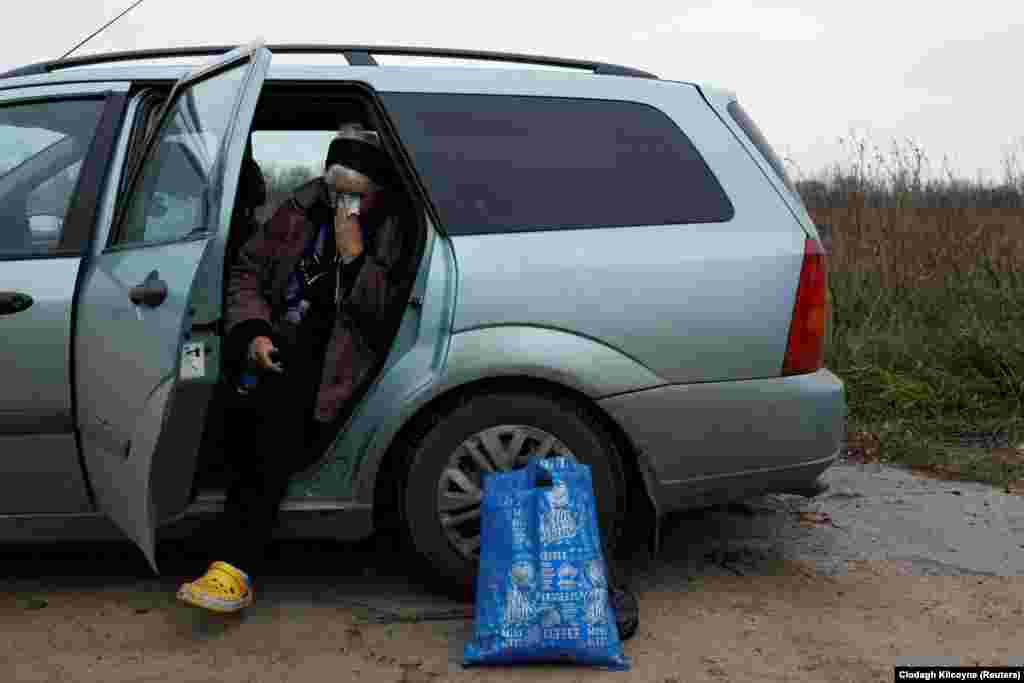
(704, 443)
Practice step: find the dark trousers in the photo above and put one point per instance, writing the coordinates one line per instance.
(270, 437)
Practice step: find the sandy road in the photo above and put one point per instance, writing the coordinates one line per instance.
(885, 568)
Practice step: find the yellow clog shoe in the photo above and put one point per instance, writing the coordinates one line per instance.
(223, 588)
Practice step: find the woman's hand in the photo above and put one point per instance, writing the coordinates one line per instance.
(347, 235)
(260, 349)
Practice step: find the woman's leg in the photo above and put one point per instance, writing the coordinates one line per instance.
(265, 441)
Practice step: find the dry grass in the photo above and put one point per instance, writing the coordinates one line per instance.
(928, 328)
(923, 247)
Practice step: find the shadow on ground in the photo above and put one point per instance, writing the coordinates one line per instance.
(377, 577)
(871, 513)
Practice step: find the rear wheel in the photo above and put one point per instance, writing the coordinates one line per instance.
(496, 433)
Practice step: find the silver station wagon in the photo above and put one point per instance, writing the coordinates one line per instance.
(605, 263)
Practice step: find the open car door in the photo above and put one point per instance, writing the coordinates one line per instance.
(139, 299)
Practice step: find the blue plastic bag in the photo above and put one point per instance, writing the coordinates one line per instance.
(542, 590)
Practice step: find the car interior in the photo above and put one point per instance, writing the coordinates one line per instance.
(288, 142)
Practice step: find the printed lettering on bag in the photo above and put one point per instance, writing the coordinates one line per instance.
(567, 575)
(551, 618)
(566, 633)
(595, 570)
(559, 523)
(596, 609)
(547, 576)
(569, 612)
(519, 609)
(519, 535)
(512, 632)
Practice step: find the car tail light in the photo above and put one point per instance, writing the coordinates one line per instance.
(805, 350)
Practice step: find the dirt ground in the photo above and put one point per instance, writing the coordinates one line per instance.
(794, 626)
(886, 569)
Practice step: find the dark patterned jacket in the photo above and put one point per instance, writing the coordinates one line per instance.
(259, 276)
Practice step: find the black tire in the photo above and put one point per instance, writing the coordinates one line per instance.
(571, 424)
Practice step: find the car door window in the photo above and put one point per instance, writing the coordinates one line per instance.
(175, 197)
(289, 158)
(42, 145)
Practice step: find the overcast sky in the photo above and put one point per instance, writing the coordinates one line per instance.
(942, 74)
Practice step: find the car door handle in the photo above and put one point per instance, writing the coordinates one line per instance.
(151, 292)
(14, 302)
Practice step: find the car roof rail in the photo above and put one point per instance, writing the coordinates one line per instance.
(356, 55)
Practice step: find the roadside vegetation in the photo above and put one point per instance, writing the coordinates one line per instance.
(281, 180)
(927, 285)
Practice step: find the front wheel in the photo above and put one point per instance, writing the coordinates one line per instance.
(496, 433)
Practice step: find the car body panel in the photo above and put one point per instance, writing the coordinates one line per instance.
(38, 452)
(697, 493)
(126, 390)
(41, 474)
(689, 304)
(12, 89)
(35, 394)
(719, 99)
(281, 70)
(558, 356)
(37, 445)
(694, 432)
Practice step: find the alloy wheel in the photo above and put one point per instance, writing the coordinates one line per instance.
(460, 488)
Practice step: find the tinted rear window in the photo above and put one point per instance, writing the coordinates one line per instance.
(501, 163)
(743, 120)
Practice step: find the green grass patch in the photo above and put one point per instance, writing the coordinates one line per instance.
(925, 364)
(32, 602)
(933, 448)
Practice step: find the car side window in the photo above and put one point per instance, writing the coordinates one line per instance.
(175, 195)
(509, 163)
(42, 146)
(288, 159)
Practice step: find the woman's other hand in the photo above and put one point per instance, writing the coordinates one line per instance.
(347, 234)
(260, 349)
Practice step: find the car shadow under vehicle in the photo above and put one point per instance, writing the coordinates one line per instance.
(871, 512)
